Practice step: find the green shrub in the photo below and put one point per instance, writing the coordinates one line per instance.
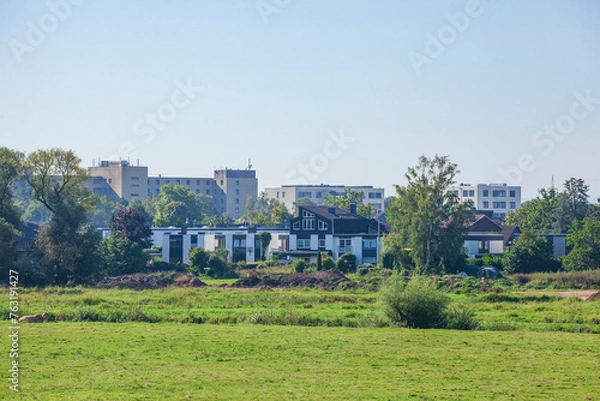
(299, 265)
(417, 304)
(328, 264)
(346, 263)
(462, 319)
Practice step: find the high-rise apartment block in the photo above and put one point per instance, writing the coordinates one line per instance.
(499, 198)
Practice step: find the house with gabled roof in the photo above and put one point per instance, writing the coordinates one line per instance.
(335, 231)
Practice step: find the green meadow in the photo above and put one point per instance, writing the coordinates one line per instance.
(174, 361)
(216, 343)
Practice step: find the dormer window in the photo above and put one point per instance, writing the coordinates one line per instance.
(306, 213)
(322, 225)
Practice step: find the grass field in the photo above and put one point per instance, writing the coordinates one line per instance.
(304, 307)
(174, 361)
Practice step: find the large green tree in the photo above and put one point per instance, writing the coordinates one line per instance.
(10, 166)
(176, 205)
(552, 211)
(531, 253)
(585, 243)
(65, 250)
(419, 211)
(347, 198)
(265, 211)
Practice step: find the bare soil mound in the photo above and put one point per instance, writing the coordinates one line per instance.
(326, 279)
(142, 281)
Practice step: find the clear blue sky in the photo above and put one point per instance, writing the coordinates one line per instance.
(279, 77)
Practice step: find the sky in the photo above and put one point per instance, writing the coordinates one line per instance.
(314, 91)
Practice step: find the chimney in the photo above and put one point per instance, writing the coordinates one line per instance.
(353, 208)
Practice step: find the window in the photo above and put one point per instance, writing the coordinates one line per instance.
(197, 182)
(135, 178)
(304, 194)
(277, 194)
(178, 182)
(486, 192)
(319, 195)
(303, 243)
(486, 205)
(499, 205)
(374, 195)
(207, 182)
(237, 182)
(513, 194)
(239, 243)
(237, 201)
(187, 182)
(321, 243)
(237, 209)
(157, 182)
(465, 193)
(513, 205)
(283, 194)
(308, 224)
(322, 225)
(168, 181)
(499, 193)
(369, 244)
(221, 182)
(471, 192)
(135, 195)
(208, 192)
(306, 213)
(237, 191)
(296, 226)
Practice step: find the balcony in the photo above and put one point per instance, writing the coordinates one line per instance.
(345, 249)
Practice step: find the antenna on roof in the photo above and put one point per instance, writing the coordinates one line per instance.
(249, 164)
(552, 183)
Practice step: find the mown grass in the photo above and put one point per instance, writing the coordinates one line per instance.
(304, 307)
(142, 361)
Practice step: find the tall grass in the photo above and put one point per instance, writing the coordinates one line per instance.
(582, 280)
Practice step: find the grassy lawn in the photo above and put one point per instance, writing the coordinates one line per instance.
(174, 361)
(305, 307)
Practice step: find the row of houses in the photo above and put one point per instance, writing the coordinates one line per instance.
(329, 230)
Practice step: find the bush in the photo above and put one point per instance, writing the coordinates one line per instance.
(299, 265)
(346, 263)
(416, 304)
(328, 264)
(462, 319)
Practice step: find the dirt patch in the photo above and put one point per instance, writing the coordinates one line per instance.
(141, 281)
(582, 294)
(326, 279)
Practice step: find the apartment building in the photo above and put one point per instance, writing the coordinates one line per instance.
(229, 188)
(290, 194)
(499, 198)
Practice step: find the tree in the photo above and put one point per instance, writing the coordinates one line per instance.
(552, 211)
(585, 240)
(9, 237)
(420, 209)
(123, 256)
(176, 205)
(347, 198)
(346, 263)
(265, 211)
(103, 211)
(319, 261)
(531, 253)
(198, 261)
(132, 223)
(64, 249)
(10, 167)
(264, 238)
